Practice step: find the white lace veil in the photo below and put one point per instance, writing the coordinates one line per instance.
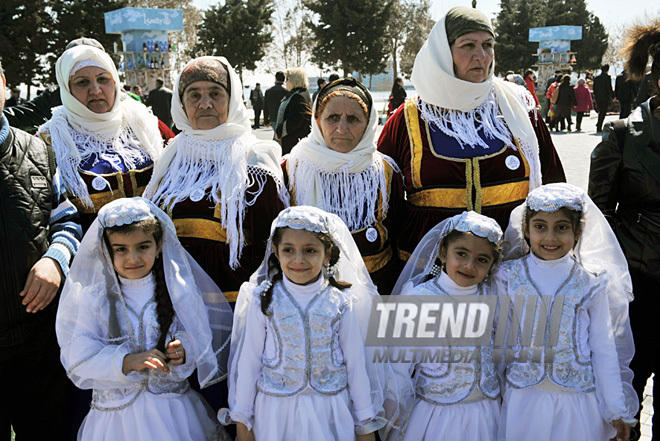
(349, 268)
(198, 303)
(422, 259)
(598, 251)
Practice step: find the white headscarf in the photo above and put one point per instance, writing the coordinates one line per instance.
(111, 127)
(346, 184)
(217, 159)
(444, 99)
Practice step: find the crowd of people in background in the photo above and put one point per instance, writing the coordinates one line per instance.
(168, 275)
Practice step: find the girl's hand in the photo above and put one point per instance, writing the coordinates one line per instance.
(368, 437)
(176, 352)
(153, 359)
(243, 434)
(622, 431)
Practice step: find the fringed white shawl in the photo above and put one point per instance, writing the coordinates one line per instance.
(223, 162)
(454, 105)
(76, 132)
(346, 184)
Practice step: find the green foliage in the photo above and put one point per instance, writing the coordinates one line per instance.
(239, 31)
(516, 17)
(513, 51)
(73, 19)
(349, 34)
(23, 40)
(418, 26)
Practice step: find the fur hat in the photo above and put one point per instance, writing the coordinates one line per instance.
(641, 41)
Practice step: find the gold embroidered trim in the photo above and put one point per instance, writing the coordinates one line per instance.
(416, 146)
(378, 261)
(200, 229)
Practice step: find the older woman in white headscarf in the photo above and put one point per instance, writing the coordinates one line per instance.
(222, 186)
(337, 168)
(469, 141)
(104, 145)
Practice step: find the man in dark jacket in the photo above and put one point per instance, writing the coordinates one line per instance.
(160, 100)
(625, 91)
(624, 182)
(603, 94)
(39, 234)
(274, 97)
(257, 101)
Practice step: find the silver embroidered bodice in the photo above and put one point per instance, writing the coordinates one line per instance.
(572, 365)
(302, 346)
(132, 328)
(450, 383)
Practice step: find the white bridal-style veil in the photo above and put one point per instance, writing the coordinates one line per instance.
(93, 287)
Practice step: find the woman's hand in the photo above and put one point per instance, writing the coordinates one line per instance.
(153, 359)
(243, 434)
(622, 431)
(176, 352)
(368, 437)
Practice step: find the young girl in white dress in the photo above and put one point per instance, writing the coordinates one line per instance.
(458, 400)
(580, 387)
(299, 369)
(134, 321)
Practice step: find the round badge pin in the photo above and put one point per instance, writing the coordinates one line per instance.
(197, 195)
(99, 183)
(512, 162)
(372, 234)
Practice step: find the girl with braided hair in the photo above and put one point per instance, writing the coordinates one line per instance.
(624, 182)
(299, 368)
(136, 318)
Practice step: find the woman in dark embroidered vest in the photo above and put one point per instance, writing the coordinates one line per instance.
(105, 143)
(338, 169)
(469, 141)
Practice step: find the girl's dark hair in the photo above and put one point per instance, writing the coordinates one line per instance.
(575, 217)
(455, 235)
(275, 271)
(164, 307)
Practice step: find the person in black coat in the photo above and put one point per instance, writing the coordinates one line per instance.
(603, 94)
(625, 91)
(294, 117)
(273, 98)
(257, 101)
(624, 182)
(565, 102)
(160, 100)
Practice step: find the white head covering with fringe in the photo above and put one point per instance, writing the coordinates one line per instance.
(461, 108)
(346, 184)
(76, 132)
(217, 161)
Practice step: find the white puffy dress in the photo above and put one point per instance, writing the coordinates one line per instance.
(548, 411)
(159, 407)
(307, 415)
(472, 419)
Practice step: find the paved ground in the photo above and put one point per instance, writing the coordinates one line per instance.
(574, 149)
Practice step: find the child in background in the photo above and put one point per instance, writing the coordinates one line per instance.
(299, 369)
(584, 392)
(134, 321)
(457, 401)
